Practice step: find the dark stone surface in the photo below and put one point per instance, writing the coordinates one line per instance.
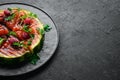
(89, 46)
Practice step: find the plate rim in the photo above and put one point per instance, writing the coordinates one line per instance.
(57, 30)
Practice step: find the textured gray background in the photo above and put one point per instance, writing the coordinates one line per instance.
(89, 46)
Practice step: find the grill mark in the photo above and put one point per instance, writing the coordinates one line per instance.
(22, 51)
(9, 52)
(19, 52)
(12, 52)
(4, 52)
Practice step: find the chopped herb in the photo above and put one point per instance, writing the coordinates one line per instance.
(9, 9)
(32, 15)
(13, 15)
(35, 15)
(25, 28)
(12, 33)
(29, 42)
(18, 44)
(32, 36)
(47, 28)
(19, 10)
(41, 31)
(10, 17)
(34, 58)
(1, 40)
(21, 43)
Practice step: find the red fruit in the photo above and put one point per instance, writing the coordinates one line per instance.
(7, 12)
(27, 21)
(12, 40)
(25, 35)
(22, 35)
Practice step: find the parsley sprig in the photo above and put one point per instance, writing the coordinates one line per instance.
(47, 28)
(34, 58)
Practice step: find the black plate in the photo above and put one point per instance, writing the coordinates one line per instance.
(49, 46)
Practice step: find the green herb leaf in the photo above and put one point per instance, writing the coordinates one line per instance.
(16, 44)
(41, 31)
(32, 36)
(10, 17)
(35, 15)
(19, 10)
(47, 28)
(12, 33)
(9, 9)
(29, 42)
(21, 44)
(1, 40)
(32, 15)
(25, 28)
(34, 58)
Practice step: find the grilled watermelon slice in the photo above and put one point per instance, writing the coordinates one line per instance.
(11, 55)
